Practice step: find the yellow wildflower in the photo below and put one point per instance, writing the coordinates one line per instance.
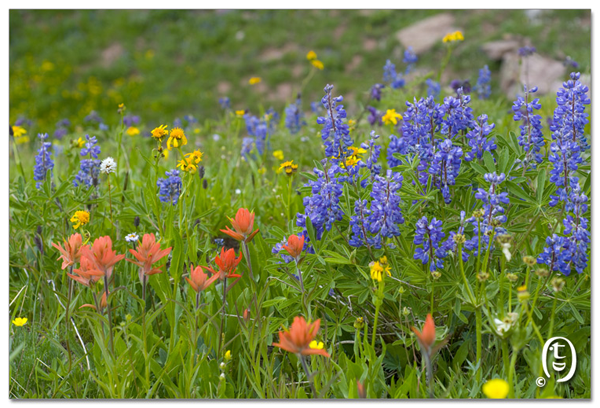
(356, 150)
(278, 154)
(495, 389)
(20, 321)
(262, 171)
(187, 165)
(317, 64)
(311, 55)
(228, 355)
(254, 80)
(121, 108)
(165, 154)
(176, 138)
(18, 131)
(79, 143)
(289, 167)
(132, 131)
(80, 218)
(455, 36)
(376, 271)
(240, 113)
(316, 345)
(195, 156)
(391, 117)
(160, 132)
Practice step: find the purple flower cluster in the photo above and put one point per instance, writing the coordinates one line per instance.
(130, 120)
(89, 168)
(61, 128)
(225, 103)
(445, 166)
(360, 232)
(370, 163)
(258, 131)
(385, 205)
(483, 87)
(376, 91)
(375, 116)
(43, 161)
(429, 235)
(335, 133)
(458, 114)
(294, 117)
(410, 59)
(478, 138)
(323, 206)
(169, 188)
(433, 88)
(391, 77)
(531, 137)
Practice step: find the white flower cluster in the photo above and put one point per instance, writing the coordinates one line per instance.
(108, 166)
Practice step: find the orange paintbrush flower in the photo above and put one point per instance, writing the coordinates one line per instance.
(295, 245)
(102, 255)
(427, 336)
(147, 255)
(227, 263)
(242, 224)
(103, 303)
(299, 339)
(71, 253)
(199, 280)
(87, 274)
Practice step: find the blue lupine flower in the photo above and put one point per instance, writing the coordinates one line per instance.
(570, 117)
(385, 205)
(60, 133)
(89, 168)
(316, 107)
(531, 137)
(570, 63)
(376, 91)
(358, 224)
(335, 134)
(247, 145)
(493, 215)
(433, 88)
(477, 139)
(566, 158)
(526, 51)
(450, 245)
(375, 116)
(323, 206)
(93, 117)
(259, 129)
(557, 254)
(429, 235)
(103, 126)
(169, 187)
(370, 163)
(130, 120)
(43, 161)
(410, 59)
(390, 76)
(225, 103)
(457, 84)
(177, 123)
(483, 86)
(294, 117)
(445, 167)
(397, 145)
(458, 114)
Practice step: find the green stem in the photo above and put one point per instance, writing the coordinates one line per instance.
(112, 349)
(511, 372)
(308, 375)
(478, 322)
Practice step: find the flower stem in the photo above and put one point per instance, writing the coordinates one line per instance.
(112, 349)
(69, 294)
(308, 375)
(223, 316)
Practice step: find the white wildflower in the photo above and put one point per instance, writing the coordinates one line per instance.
(108, 166)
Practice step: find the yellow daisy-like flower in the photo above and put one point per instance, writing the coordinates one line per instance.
(356, 150)
(187, 165)
(289, 167)
(455, 36)
(228, 355)
(391, 117)
(318, 345)
(80, 218)
(20, 321)
(132, 131)
(195, 156)
(160, 132)
(240, 113)
(376, 271)
(122, 108)
(176, 138)
(18, 131)
(496, 389)
(317, 64)
(79, 143)
(278, 154)
(349, 161)
(311, 55)
(254, 80)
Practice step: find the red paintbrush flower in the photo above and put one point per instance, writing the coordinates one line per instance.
(102, 255)
(295, 245)
(242, 224)
(87, 274)
(72, 251)
(200, 280)
(227, 263)
(427, 336)
(147, 255)
(299, 339)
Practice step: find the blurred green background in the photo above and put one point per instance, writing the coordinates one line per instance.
(166, 64)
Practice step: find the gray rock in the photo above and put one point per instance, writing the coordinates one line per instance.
(496, 49)
(536, 70)
(423, 35)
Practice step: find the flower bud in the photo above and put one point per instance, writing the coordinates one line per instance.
(512, 277)
(459, 238)
(557, 284)
(529, 260)
(542, 273)
(483, 276)
(359, 323)
(522, 294)
(436, 275)
(405, 311)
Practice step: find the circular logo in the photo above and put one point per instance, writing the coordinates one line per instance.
(540, 381)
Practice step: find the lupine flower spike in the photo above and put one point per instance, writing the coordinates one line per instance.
(243, 223)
